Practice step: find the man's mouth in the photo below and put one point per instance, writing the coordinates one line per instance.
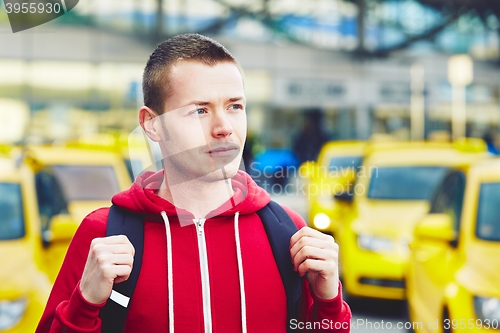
(224, 150)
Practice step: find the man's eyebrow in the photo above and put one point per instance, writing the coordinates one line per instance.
(235, 99)
(204, 103)
(201, 103)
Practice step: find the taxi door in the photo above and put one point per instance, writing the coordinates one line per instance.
(432, 261)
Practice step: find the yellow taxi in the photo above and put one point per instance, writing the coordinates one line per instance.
(453, 281)
(393, 189)
(72, 181)
(24, 284)
(333, 172)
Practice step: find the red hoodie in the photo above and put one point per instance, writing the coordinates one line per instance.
(265, 299)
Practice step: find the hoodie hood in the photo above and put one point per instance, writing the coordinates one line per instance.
(141, 197)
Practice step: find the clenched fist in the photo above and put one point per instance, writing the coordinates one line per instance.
(315, 255)
(109, 261)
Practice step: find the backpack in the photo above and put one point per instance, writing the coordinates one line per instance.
(279, 229)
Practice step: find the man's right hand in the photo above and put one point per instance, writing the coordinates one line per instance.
(110, 260)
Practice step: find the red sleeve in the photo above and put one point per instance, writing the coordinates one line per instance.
(66, 309)
(324, 316)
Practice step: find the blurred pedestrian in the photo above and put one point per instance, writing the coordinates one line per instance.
(490, 143)
(311, 138)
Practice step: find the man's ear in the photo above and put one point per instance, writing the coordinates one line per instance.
(147, 119)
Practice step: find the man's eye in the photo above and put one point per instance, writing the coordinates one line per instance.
(200, 111)
(237, 107)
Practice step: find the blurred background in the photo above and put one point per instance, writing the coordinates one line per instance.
(316, 71)
(364, 65)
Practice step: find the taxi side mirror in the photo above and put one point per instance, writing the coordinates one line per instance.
(438, 227)
(308, 169)
(347, 176)
(343, 184)
(61, 230)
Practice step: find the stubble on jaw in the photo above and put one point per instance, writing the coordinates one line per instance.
(179, 167)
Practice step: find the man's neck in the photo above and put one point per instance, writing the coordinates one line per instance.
(196, 196)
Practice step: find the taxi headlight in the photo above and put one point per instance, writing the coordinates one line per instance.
(321, 221)
(11, 312)
(375, 244)
(487, 309)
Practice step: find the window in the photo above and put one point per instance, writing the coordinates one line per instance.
(11, 212)
(86, 182)
(488, 212)
(404, 183)
(340, 163)
(449, 198)
(50, 198)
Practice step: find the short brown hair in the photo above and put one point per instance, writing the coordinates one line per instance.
(181, 47)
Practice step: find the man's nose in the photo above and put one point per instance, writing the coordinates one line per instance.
(221, 125)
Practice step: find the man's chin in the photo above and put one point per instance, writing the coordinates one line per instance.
(227, 172)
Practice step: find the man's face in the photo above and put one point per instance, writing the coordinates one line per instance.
(203, 127)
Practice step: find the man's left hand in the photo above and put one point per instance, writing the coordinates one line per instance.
(315, 255)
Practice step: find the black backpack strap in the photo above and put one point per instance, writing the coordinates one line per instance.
(280, 228)
(123, 222)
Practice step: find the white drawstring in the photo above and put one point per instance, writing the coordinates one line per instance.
(170, 278)
(240, 274)
(170, 275)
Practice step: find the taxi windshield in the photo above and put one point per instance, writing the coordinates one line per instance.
(87, 182)
(488, 212)
(339, 163)
(11, 212)
(404, 183)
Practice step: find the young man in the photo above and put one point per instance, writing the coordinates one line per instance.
(207, 263)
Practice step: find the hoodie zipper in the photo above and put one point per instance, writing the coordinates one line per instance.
(205, 280)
